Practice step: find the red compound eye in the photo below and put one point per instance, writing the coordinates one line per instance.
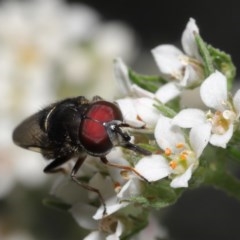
(92, 133)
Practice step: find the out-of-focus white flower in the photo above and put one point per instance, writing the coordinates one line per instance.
(109, 226)
(116, 188)
(87, 215)
(111, 39)
(50, 50)
(218, 123)
(115, 39)
(33, 36)
(106, 230)
(180, 158)
(82, 211)
(154, 230)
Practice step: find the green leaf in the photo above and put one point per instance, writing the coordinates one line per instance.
(206, 56)
(165, 110)
(223, 63)
(157, 195)
(214, 58)
(234, 153)
(150, 83)
(216, 171)
(135, 223)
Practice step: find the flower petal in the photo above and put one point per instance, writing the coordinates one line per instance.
(153, 230)
(129, 112)
(104, 185)
(125, 84)
(68, 191)
(130, 189)
(182, 180)
(140, 92)
(167, 92)
(213, 91)
(189, 118)
(116, 156)
(139, 111)
(118, 232)
(193, 76)
(82, 213)
(188, 39)
(146, 111)
(121, 76)
(106, 188)
(167, 59)
(168, 135)
(111, 208)
(153, 168)
(199, 138)
(222, 140)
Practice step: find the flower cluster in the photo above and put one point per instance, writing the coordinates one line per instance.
(181, 150)
(49, 50)
(190, 146)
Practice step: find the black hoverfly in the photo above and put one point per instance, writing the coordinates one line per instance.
(76, 127)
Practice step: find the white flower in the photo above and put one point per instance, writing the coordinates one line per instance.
(107, 190)
(154, 230)
(182, 70)
(153, 168)
(126, 87)
(109, 229)
(82, 211)
(87, 215)
(218, 123)
(164, 94)
(117, 189)
(180, 158)
(139, 112)
(173, 64)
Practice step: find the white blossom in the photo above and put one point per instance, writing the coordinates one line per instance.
(181, 69)
(139, 112)
(217, 124)
(179, 159)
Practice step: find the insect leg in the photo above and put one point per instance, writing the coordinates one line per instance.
(126, 168)
(75, 169)
(127, 144)
(136, 148)
(53, 166)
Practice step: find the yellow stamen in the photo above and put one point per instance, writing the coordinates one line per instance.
(180, 145)
(173, 164)
(183, 156)
(168, 152)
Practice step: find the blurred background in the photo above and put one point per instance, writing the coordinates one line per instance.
(54, 49)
